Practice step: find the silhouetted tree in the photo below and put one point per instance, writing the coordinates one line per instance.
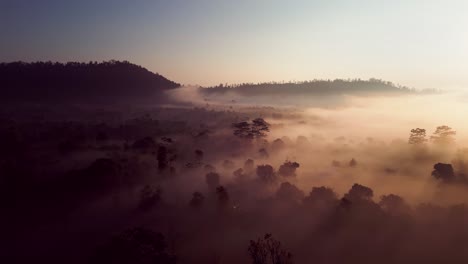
(443, 172)
(359, 193)
(257, 129)
(394, 204)
(135, 246)
(149, 197)
(263, 153)
(417, 136)
(352, 163)
(145, 144)
(197, 200)
(288, 169)
(223, 196)
(249, 165)
(267, 250)
(289, 192)
(266, 173)
(278, 144)
(443, 135)
(321, 196)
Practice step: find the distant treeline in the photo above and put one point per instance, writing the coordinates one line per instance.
(314, 87)
(79, 82)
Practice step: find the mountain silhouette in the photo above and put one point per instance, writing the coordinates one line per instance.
(105, 82)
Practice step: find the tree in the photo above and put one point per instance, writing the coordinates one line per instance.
(267, 250)
(393, 204)
(223, 196)
(443, 172)
(352, 163)
(417, 136)
(260, 127)
(197, 200)
(321, 196)
(288, 169)
(149, 197)
(257, 129)
(359, 193)
(249, 165)
(135, 246)
(266, 173)
(443, 135)
(289, 192)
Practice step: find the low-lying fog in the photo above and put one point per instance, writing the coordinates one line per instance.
(319, 178)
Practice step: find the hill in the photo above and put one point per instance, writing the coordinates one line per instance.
(106, 82)
(315, 87)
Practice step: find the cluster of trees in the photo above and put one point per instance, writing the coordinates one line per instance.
(314, 87)
(79, 82)
(443, 135)
(257, 129)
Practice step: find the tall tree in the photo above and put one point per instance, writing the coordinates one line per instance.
(443, 135)
(417, 136)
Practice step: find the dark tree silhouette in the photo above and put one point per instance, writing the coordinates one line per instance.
(267, 250)
(249, 165)
(288, 169)
(352, 163)
(393, 204)
(443, 135)
(289, 192)
(145, 144)
(359, 193)
(149, 197)
(321, 196)
(443, 172)
(417, 136)
(257, 129)
(266, 173)
(263, 153)
(197, 200)
(223, 196)
(135, 246)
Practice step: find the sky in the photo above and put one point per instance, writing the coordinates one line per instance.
(417, 43)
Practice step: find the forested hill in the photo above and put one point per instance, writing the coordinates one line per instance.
(111, 81)
(316, 87)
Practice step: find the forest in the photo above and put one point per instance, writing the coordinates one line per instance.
(217, 181)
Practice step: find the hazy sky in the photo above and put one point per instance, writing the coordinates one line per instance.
(419, 43)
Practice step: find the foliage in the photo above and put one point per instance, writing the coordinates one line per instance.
(135, 246)
(257, 129)
(443, 135)
(417, 136)
(267, 250)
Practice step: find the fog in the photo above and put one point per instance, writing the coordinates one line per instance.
(333, 178)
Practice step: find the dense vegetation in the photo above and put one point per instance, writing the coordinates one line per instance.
(106, 82)
(315, 87)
